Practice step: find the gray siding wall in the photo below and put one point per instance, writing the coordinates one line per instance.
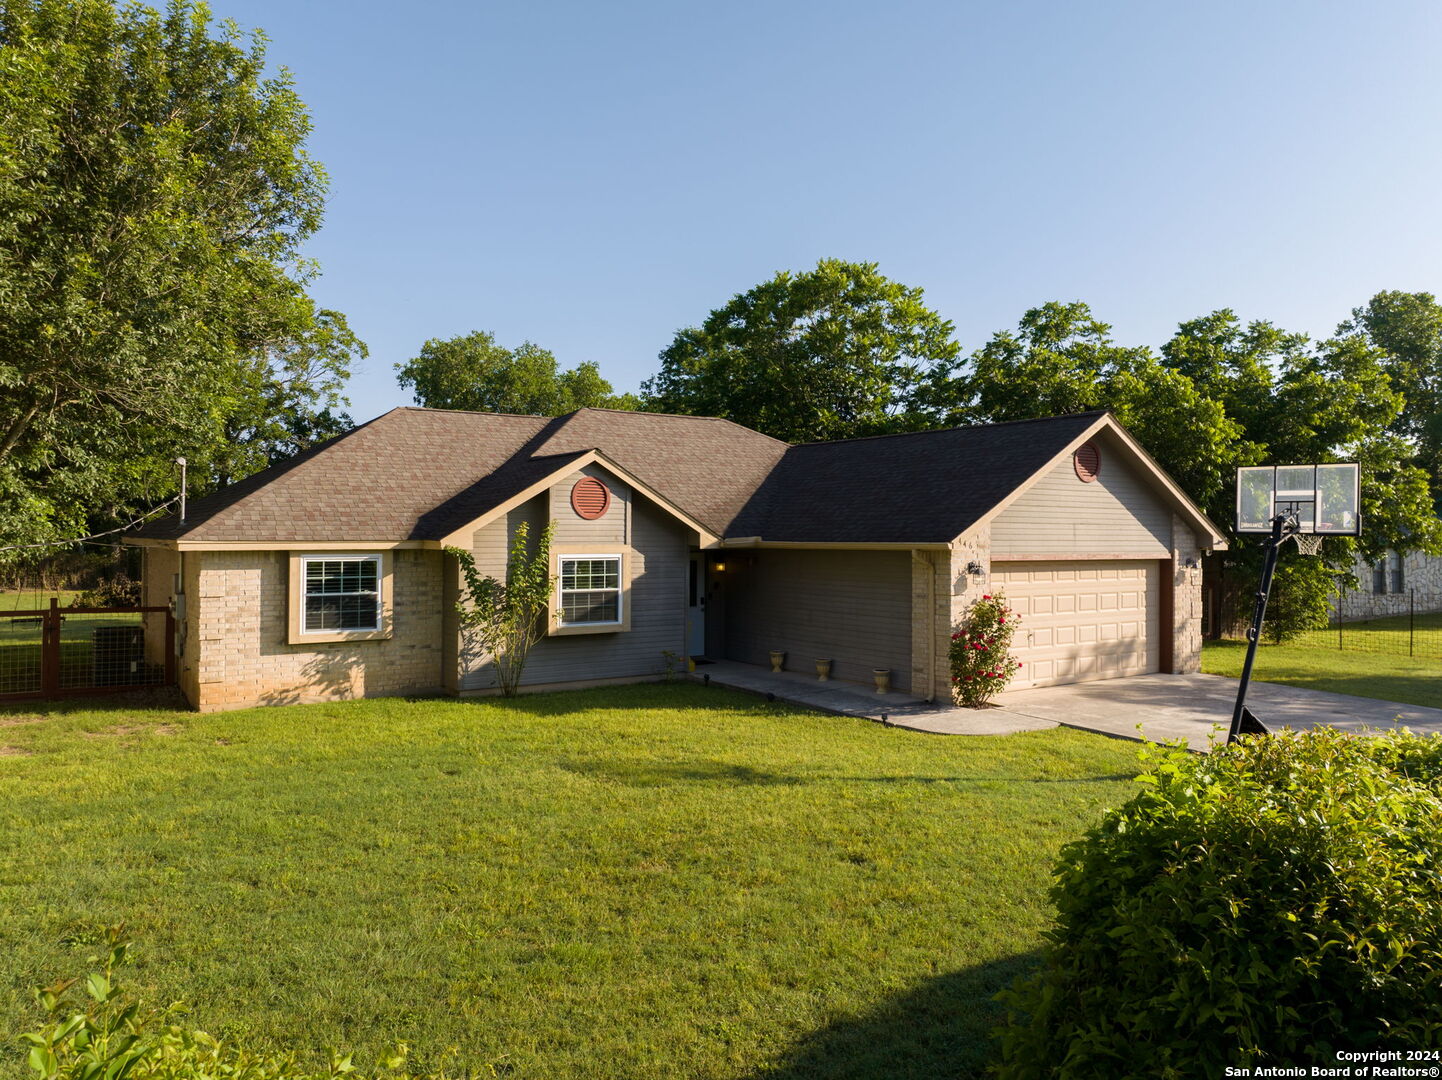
(659, 554)
(1119, 514)
(609, 529)
(851, 606)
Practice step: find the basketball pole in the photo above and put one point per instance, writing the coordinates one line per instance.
(1240, 715)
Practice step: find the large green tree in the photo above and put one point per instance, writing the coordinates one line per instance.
(830, 353)
(474, 372)
(155, 192)
(1221, 393)
(1407, 327)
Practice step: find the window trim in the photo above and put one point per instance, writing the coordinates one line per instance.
(296, 632)
(554, 626)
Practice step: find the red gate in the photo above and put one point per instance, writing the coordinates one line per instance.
(60, 652)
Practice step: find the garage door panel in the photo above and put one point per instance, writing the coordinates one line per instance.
(1083, 620)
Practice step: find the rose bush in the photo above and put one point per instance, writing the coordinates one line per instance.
(981, 660)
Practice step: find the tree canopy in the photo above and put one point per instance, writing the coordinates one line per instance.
(474, 372)
(1223, 393)
(830, 353)
(155, 192)
(1407, 327)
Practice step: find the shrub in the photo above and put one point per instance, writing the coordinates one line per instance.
(981, 660)
(118, 591)
(1269, 903)
(96, 1032)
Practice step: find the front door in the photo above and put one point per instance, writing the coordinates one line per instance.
(696, 608)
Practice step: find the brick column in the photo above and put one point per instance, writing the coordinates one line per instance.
(1186, 586)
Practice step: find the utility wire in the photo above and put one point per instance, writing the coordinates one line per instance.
(94, 536)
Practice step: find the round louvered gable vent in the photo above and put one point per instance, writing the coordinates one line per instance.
(1088, 462)
(590, 498)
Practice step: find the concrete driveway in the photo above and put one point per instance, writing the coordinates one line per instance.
(1187, 707)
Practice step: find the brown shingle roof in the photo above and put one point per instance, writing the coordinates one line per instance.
(421, 474)
(378, 482)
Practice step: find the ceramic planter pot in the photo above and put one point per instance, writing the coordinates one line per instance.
(778, 660)
(883, 679)
(823, 670)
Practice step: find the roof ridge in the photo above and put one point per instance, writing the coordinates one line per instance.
(678, 416)
(959, 427)
(473, 412)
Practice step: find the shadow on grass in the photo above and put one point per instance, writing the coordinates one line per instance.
(644, 773)
(939, 1029)
(663, 773)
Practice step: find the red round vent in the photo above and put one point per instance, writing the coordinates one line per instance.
(590, 498)
(1088, 462)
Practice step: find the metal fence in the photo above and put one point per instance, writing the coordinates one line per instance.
(1396, 624)
(60, 652)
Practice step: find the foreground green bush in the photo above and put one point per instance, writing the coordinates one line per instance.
(97, 1032)
(1269, 903)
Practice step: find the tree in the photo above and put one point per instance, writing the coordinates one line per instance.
(504, 620)
(155, 192)
(1061, 359)
(473, 372)
(830, 353)
(291, 399)
(1220, 395)
(1407, 327)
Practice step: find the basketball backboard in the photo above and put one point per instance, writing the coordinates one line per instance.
(1324, 499)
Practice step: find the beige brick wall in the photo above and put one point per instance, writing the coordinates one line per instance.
(236, 652)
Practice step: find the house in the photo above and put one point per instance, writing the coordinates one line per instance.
(1396, 584)
(325, 577)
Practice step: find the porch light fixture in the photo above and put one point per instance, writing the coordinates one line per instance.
(974, 568)
(719, 567)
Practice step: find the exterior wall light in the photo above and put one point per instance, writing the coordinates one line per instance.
(974, 568)
(719, 567)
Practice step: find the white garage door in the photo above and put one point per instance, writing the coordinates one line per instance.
(1082, 620)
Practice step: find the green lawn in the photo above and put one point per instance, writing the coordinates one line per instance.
(1399, 635)
(27, 599)
(649, 881)
(1415, 681)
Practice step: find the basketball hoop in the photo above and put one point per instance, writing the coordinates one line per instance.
(1305, 503)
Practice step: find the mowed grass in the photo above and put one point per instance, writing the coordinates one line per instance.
(1414, 681)
(648, 881)
(1417, 635)
(33, 599)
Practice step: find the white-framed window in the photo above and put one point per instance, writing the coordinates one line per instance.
(590, 590)
(340, 593)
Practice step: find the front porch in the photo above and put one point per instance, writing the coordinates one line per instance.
(852, 699)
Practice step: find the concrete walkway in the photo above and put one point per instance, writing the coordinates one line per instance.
(1157, 707)
(852, 699)
(1188, 706)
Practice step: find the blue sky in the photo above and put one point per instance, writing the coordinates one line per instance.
(593, 177)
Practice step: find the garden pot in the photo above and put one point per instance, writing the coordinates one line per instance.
(823, 670)
(882, 675)
(778, 660)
